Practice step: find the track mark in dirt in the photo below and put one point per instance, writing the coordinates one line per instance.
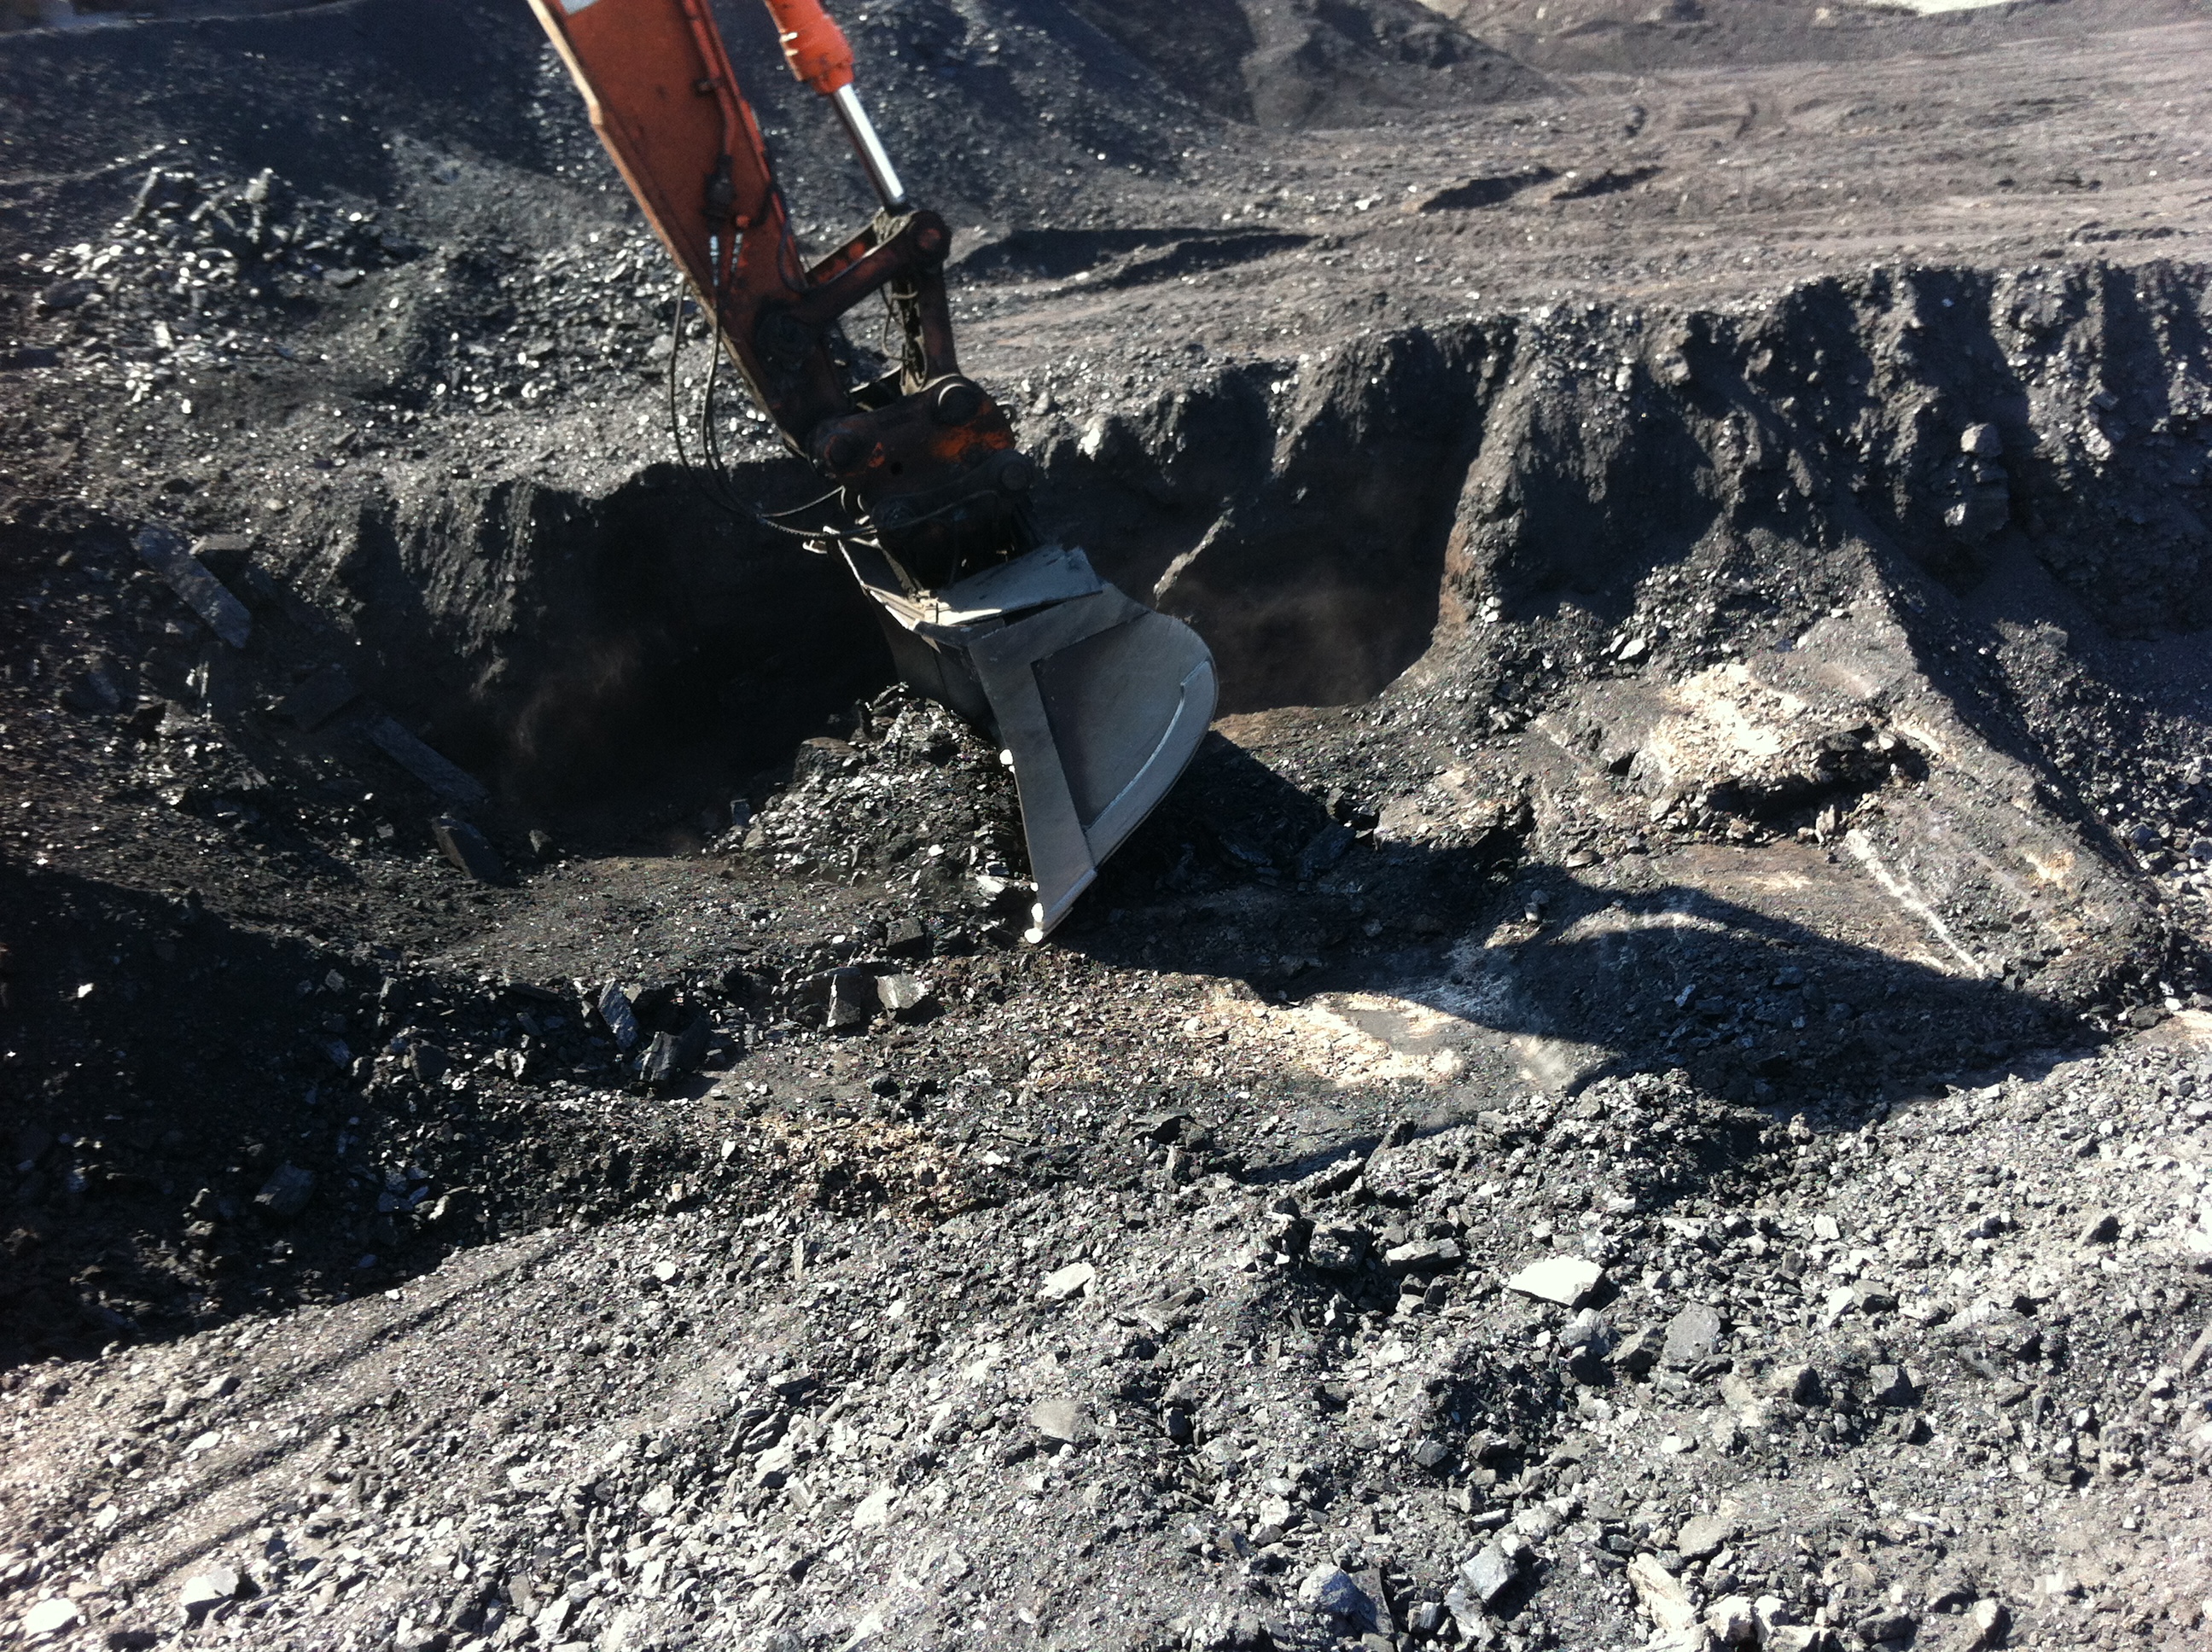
(1108, 260)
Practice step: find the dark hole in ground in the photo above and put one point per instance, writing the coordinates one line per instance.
(599, 659)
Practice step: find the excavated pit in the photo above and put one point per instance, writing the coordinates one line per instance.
(1969, 426)
(1616, 673)
(1509, 518)
(1879, 538)
(1316, 523)
(589, 655)
(1686, 653)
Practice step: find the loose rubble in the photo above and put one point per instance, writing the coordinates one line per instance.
(1323, 1447)
(1652, 1087)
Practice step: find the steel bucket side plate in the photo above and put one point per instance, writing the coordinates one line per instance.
(1100, 701)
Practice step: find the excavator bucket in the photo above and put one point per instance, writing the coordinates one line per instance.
(1098, 703)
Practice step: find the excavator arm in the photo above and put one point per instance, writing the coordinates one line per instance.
(1098, 703)
(928, 456)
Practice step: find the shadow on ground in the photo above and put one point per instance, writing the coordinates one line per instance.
(1473, 960)
(188, 1136)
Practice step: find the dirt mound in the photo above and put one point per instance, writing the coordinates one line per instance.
(1557, 468)
(1296, 65)
(1636, 36)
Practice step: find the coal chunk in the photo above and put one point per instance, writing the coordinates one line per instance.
(319, 697)
(469, 849)
(614, 1007)
(285, 1195)
(906, 938)
(1327, 846)
(163, 549)
(854, 999)
(670, 1056)
(434, 770)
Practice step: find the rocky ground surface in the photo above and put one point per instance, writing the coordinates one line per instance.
(1653, 1084)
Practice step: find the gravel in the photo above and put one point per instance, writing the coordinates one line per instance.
(1652, 1086)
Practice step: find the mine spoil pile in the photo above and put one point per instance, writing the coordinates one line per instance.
(1651, 1086)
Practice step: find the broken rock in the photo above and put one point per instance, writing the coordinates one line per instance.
(1566, 1280)
(94, 689)
(1330, 1589)
(469, 849)
(209, 1589)
(904, 995)
(854, 999)
(1732, 1621)
(670, 1056)
(435, 770)
(1421, 1256)
(1799, 1384)
(1061, 1420)
(1692, 1335)
(1338, 1248)
(164, 551)
(1773, 1614)
(1063, 1284)
(773, 1466)
(622, 1021)
(1641, 1352)
(1661, 1593)
(873, 1512)
(321, 696)
(1488, 1573)
(286, 1193)
(1703, 1536)
(53, 1616)
(1886, 1625)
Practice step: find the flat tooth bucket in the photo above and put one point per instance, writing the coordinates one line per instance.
(1099, 702)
